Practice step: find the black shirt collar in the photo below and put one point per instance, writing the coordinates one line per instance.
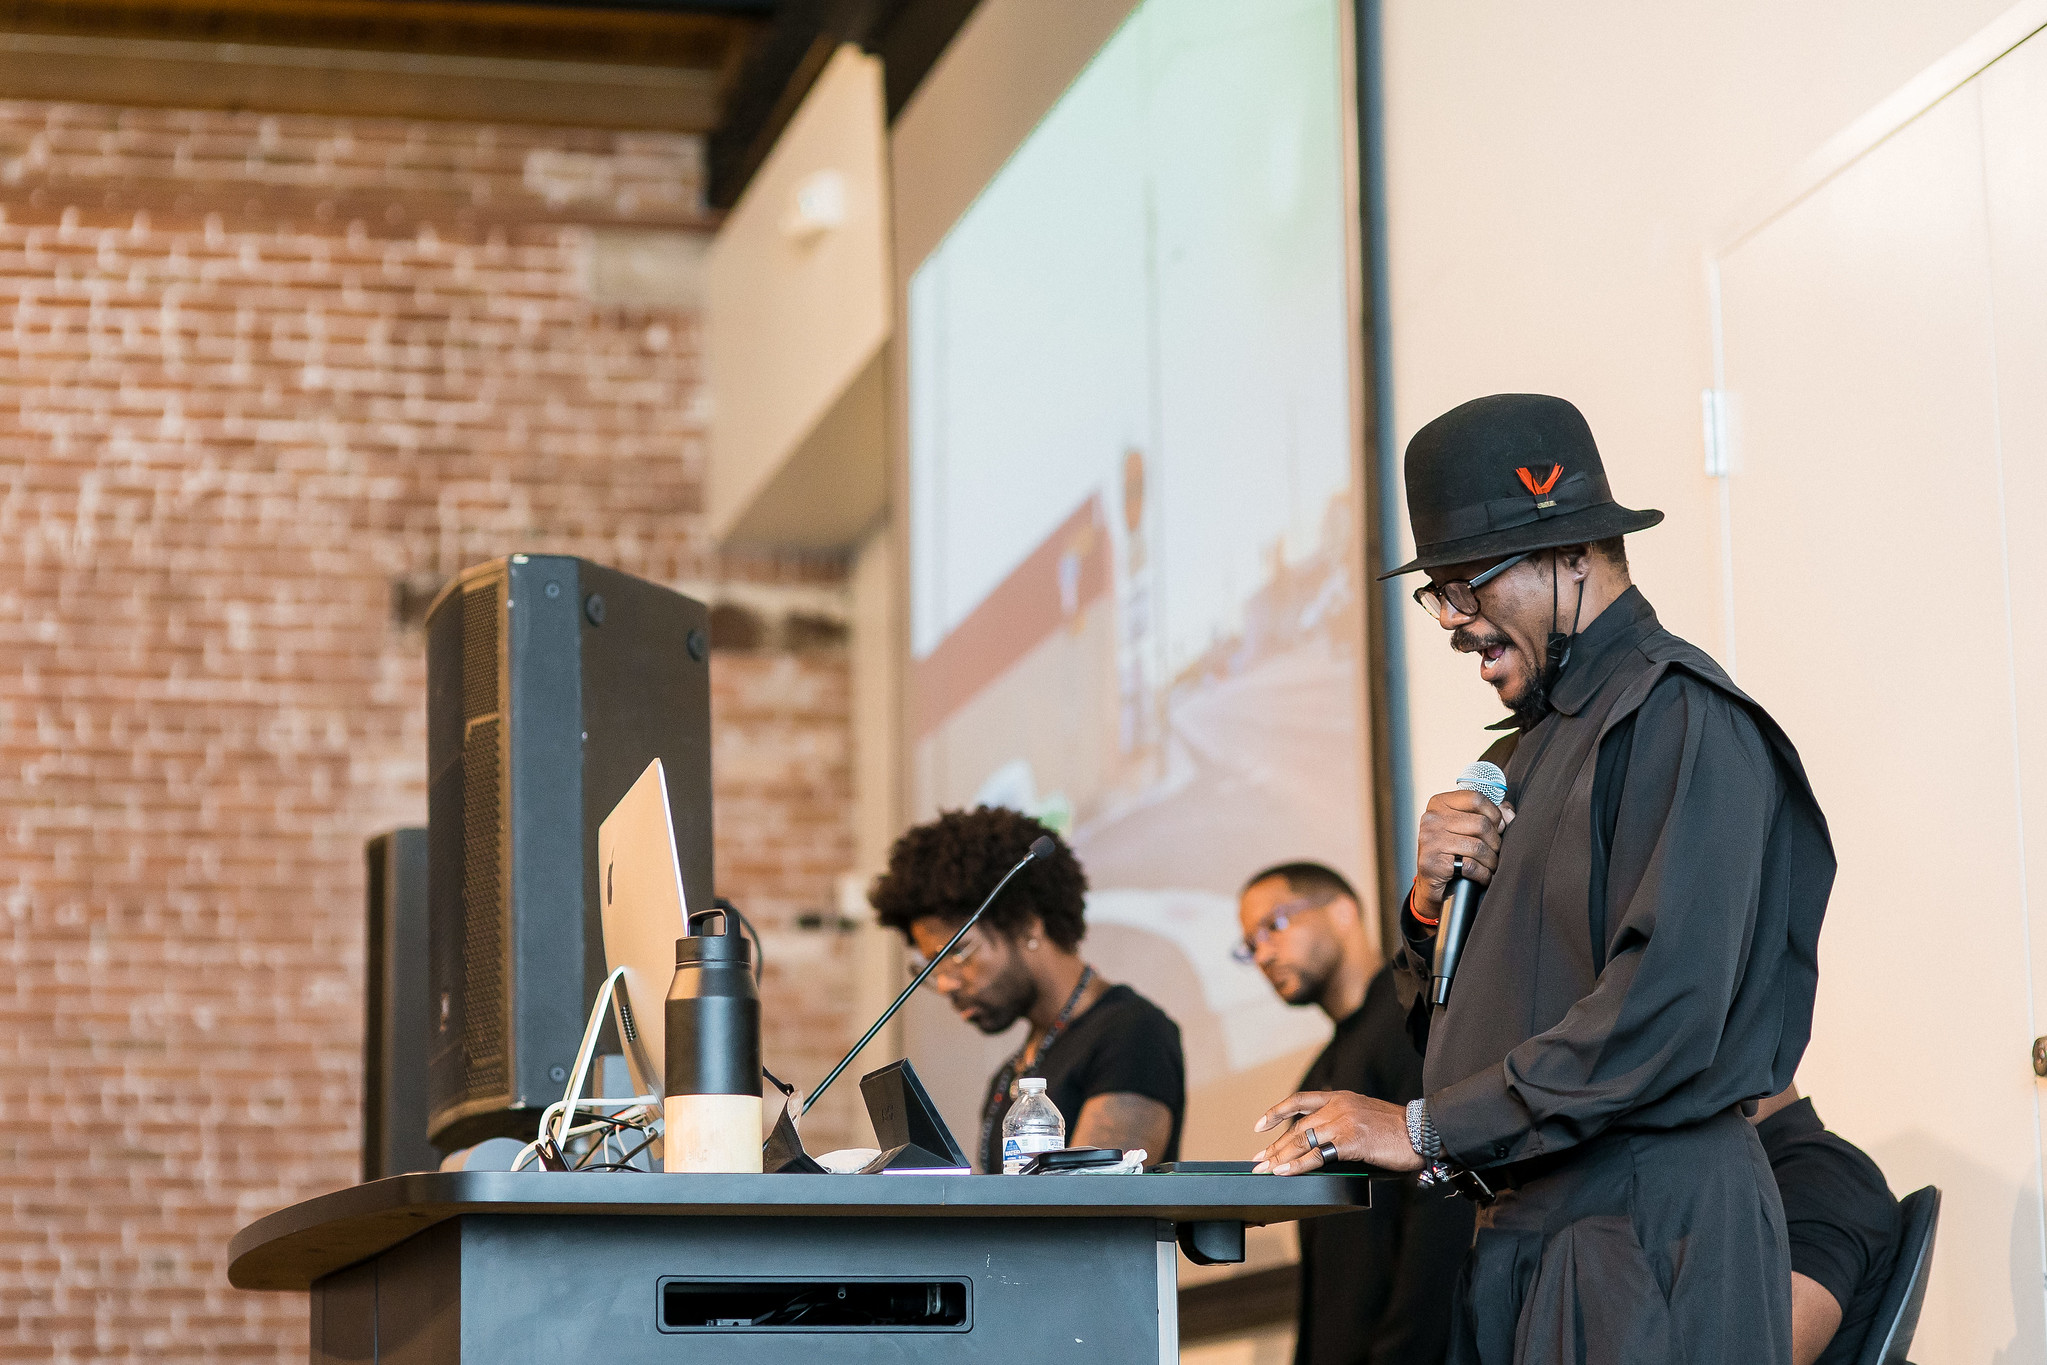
(1795, 1120)
(1597, 651)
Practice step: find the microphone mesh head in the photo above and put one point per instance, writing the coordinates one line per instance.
(1486, 779)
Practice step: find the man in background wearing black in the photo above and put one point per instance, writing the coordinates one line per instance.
(1110, 1058)
(1844, 1226)
(1375, 1285)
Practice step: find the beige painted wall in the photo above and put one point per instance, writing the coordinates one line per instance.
(1863, 334)
(1556, 175)
(799, 292)
(1557, 183)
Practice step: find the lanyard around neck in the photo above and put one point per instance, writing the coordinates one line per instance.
(1004, 1086)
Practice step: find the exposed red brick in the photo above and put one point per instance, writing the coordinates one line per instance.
(258, 370)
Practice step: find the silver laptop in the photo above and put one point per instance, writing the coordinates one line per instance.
(640, 885)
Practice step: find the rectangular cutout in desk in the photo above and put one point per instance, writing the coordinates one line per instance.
(820, 1305)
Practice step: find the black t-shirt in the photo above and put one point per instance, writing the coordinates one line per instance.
(1843, 1221)
(1376, 1285)
(1122, 1044)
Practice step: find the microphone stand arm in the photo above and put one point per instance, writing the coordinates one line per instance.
(910, 989)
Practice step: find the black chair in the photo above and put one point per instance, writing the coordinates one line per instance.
(1897, 1316)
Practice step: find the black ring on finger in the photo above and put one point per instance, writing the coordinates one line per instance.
(1327, 1151)
(1457, 865)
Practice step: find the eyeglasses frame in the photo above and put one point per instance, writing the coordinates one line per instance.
(1471, 585)
(949, 965)
(1276, 923)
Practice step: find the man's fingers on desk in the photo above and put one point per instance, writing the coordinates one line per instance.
(1292, 1107)
(1291, 1153)
(1359, 1127)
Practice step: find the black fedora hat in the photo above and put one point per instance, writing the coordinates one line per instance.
(1506, 474)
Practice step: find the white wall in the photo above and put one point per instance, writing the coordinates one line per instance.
(1557, 179)
(798, 311)
(1556, 174)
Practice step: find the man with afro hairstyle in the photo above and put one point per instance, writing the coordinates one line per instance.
(1110, 1058)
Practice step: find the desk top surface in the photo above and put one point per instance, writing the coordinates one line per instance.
(295, 1246)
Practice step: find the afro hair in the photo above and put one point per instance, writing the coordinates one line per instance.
(946, 867)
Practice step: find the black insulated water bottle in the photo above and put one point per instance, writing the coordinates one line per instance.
(713, 1045)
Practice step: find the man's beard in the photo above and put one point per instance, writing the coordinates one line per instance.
(1004, 1000)
(1533, 703)
(1305, 985)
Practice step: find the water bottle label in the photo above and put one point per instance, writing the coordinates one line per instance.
(1018, 1149)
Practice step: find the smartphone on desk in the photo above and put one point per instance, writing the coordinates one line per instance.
(1203, 1168)
(1071, 1159)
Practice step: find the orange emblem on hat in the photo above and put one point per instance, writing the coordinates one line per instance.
(1539, 489)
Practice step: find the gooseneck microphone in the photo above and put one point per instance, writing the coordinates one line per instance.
(1461, 905)
(1041, 847)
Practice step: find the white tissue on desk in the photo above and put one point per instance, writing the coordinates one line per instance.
(848, 1160)
(1131, 1164)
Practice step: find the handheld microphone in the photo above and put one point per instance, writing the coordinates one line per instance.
(1461, 905)
(1041, 847)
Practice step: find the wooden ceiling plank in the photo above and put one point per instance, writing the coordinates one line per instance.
(654, 37)
(173, 74)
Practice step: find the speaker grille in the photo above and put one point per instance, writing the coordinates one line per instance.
(483, 910)
(480, 651)
(538, 720)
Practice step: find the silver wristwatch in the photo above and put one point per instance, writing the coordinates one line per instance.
(1421, 1132)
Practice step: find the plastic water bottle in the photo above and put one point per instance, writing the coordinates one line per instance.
(1032, 1125)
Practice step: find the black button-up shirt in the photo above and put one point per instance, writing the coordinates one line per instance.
(1646, 953)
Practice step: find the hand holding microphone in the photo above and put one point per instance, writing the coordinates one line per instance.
(1456, 855)
(1462, 823)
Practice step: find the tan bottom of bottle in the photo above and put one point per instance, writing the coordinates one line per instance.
(712, 1133)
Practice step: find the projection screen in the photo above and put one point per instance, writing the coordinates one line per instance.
(1134, 532)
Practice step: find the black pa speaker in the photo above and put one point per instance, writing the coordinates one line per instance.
(395, 1017)
(551, 683)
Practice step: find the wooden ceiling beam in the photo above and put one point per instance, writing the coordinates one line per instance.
(660, 70)
(670, 36)
(305, 80)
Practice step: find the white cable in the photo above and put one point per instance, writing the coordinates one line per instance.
(564, 1112)
(526, 1152)
(583, 1055)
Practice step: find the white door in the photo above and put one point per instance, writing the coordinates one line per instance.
(1885, 351)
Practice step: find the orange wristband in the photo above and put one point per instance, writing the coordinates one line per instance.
(1425, 923)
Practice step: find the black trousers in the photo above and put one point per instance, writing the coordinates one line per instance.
(1650, 1247)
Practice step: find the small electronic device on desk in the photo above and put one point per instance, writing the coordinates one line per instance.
(1204, 1168)
(912, 1134)
(1074, 1160)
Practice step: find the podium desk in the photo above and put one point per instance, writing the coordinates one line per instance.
(639, 1269)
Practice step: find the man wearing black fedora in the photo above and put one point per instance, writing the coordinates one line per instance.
(1641, 968)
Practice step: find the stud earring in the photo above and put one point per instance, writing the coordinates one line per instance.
(1032, 945)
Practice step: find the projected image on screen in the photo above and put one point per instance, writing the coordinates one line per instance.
(1135, 603)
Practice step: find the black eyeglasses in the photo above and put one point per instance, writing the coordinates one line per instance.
(1276, 923)
(949, 968)
(1461, 595)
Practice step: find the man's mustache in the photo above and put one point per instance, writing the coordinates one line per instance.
(1465, 640)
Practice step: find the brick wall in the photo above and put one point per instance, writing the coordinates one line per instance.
(266, 382)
